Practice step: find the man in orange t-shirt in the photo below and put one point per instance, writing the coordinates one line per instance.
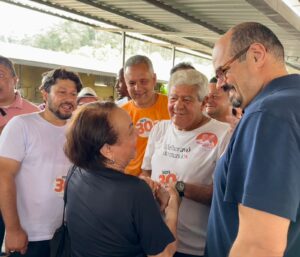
(146, 107)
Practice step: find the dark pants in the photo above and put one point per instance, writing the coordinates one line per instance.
(35, 249)
(2, 229)
(177, 254)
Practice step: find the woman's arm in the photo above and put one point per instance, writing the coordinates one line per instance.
(171, 213)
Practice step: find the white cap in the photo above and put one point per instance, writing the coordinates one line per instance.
(87, 92)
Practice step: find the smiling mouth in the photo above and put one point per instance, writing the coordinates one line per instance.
(179, 114)
(67, 107)
(139, 95)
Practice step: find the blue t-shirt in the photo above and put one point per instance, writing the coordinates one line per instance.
(113, 214)
(261, 167)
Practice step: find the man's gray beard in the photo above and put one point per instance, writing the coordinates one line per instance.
(235, 99)
(236, 103)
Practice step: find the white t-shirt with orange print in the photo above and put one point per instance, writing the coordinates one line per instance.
(189, 156)
(38, 146)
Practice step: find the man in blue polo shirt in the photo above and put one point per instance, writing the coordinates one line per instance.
(255, 208)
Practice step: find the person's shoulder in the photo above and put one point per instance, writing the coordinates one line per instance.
(162, 98)
(121, 102)
(162, 125)
(29, 116)
(31, 107)
(135, 185)
(25, 117)
(219, 124)
(23, 104)
(162, 106)
(281, 104)
(142, 187)
(159, 130)
(128, 106)
(278, 97)
(21, 122)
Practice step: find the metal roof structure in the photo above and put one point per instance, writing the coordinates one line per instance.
(192, 24)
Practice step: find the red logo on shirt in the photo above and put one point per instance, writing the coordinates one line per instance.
(207, 140)
(166, 177)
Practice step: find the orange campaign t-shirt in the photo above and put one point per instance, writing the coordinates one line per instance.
(144, 119)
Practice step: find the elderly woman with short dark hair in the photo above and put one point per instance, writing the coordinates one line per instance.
(110, 213)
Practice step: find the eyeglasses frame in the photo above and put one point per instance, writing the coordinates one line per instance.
(222, 70)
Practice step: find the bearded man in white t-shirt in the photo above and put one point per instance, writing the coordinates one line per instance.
(33, 167)
(184, 151)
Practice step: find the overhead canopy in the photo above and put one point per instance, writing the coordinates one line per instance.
(193, 24)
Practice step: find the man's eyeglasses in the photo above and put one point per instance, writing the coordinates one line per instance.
(221, 71)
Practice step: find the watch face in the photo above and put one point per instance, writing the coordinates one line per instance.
(180, 186)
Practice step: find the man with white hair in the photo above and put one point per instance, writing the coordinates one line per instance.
(184, 151)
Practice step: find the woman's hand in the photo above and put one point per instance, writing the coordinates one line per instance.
(162, 196)
(174, 201)
(151, 183)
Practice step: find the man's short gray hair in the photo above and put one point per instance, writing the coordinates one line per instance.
(191, 78)
(139, 59)
(247, 33)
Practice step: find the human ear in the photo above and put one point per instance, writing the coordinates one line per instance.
(106, 151)
(16, 80)
(44, 95)
(259, 53)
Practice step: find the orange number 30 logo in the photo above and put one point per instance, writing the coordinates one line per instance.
(144, 126)
(166, 179)
(59, 184)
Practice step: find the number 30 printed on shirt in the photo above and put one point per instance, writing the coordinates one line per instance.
(59, 185)
(144, 126)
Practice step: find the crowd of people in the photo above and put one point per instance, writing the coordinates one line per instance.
(211, 169)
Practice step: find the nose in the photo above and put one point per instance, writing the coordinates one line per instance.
(70, 97)
(137, 87)
(209, 98)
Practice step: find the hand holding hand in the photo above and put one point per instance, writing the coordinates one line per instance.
(162, 196)
(151, 183)
(175, 199)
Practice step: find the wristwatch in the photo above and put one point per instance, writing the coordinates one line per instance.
(180, 186)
